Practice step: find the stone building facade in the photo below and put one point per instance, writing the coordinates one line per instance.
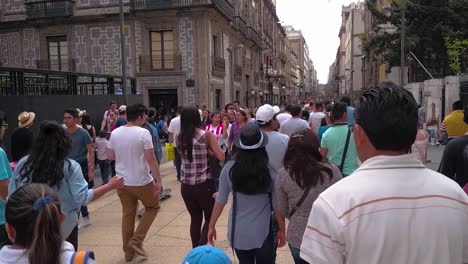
(207, 52)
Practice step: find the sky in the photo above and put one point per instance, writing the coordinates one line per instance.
(320, 22)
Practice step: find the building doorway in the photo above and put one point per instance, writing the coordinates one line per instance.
(164, 100)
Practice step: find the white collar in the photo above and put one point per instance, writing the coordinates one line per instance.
(391, 162)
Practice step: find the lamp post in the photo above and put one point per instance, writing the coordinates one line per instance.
(122, 51)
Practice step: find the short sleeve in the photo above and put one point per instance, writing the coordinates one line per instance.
(5, 170)
(224, 190)
(147, 139)
(324, 141)
(87, 137)
(171, 126)
(323, 241)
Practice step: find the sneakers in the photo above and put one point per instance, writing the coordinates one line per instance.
(85, 222)
(139, 250)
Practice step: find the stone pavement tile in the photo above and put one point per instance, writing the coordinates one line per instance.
(164, 255)
(100, 236)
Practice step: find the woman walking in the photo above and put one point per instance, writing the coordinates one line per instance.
(248, 177)
(48, 164)
(241, 119)
(198, 186)
(299, 184)
(86, 123)
(217, 129)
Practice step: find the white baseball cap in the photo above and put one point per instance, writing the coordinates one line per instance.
(265, 113)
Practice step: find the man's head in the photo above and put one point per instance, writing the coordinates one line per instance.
(229, 107)
(70, 117)
(386, 121)
(266, 117)
(152, 113)
(122, 110)
(339, 113)
(345, 99)
(287, 108)
(137, 114)
(319, 107)
(113, 105)
(236, 105)
(296, 111)
(458, 105)
(232, 115)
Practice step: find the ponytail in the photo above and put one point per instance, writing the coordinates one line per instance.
(34, 212)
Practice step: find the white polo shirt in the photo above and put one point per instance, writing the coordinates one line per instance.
(391, 210)
(174, 128)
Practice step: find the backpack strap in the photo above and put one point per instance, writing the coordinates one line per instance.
(81, 257)
(348, 137)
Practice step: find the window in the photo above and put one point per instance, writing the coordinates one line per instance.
(215, 46)
(237, 95)
(218, 100)
(58, 53)
(162, 50)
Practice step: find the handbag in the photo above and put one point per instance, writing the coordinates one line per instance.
(301, 201)
(170, 155)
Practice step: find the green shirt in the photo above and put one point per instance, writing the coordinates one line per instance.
(5, 174)
(334, 139)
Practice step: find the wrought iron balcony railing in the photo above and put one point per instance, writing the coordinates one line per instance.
(151, 63)
(49, 9)
(224, 6)
(57, 65)
(241, 25)
(253, 34)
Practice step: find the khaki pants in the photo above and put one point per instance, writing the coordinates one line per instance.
(129, 197)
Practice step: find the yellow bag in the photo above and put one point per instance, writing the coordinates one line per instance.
(170, 155)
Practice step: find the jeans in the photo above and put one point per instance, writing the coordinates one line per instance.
(129, 197)
(177, 162)
(73, 238)
(104, 167)
(263, 255)
(295, 252)
(199, 202)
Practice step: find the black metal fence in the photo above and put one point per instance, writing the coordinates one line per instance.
(49, 9)
(32, 82)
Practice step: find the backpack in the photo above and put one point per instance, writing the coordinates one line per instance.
(81, 257)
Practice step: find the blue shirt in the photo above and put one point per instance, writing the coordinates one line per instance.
(73, 192)
(5, 174)
(79, 141)
(350, 111)
(160, 126)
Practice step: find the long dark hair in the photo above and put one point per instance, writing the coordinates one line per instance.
(86, 120)
(48, 156)
(249, 173)
(34, 212)
(189, 122)
(303, 160)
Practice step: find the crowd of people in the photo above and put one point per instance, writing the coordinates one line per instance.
(336, 183)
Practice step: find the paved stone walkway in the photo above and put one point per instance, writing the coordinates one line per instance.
(168, 240)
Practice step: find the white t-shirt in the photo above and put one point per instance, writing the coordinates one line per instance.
(283, 117)
(129, 145)
(174, 128)
(276, 148)
(316, 119)
(9, 255)
(390, 210)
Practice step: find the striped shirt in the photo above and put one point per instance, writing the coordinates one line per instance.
(197, 171)
(391, 210)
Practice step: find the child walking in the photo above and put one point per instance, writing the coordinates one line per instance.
(101, 148)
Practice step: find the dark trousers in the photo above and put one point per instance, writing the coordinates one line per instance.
(4, 240)
(73, 238)
(177, 162)
(295, 252)
(263, 255)
(199, 202)
(104, 167)
(84, 169)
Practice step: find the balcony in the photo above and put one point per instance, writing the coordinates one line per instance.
(148, 63)
(57, 65)
(49, 9)
(241, 25)
(223, 6)
(219, 66)
(255, 36)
